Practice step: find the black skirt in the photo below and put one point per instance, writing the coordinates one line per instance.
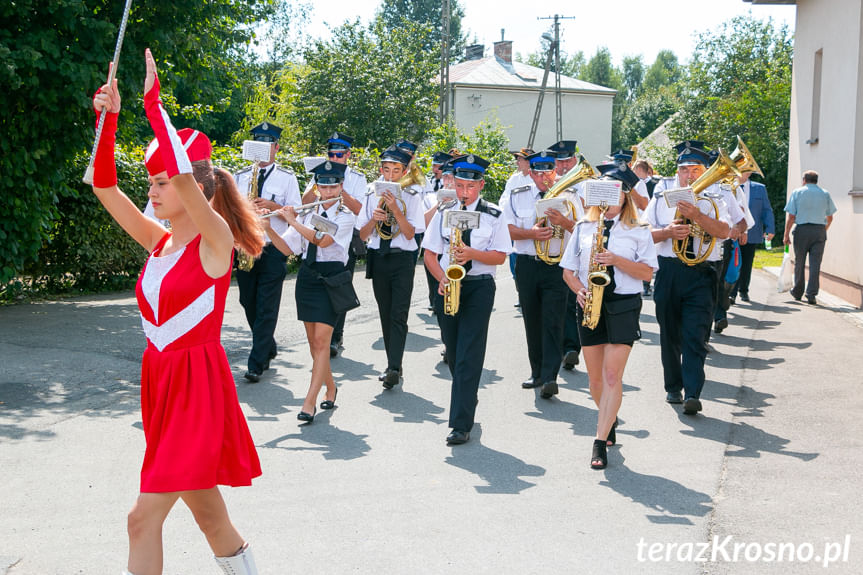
(313, 301)
(618, 321)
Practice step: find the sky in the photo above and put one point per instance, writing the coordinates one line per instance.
(634, 26)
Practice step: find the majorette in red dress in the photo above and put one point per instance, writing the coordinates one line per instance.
(196, 433)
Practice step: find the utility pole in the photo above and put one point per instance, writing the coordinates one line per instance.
(444, 62)
(558, 107)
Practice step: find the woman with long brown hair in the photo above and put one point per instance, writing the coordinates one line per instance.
(196, 434)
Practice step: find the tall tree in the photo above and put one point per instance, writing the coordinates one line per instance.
(394, 14)
(739, 83)
(600, 70)
(664, 71)
(55, 54)
(373, 83)
(633, 76)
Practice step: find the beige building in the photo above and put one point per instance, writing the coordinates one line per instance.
(485, 88)
(827, 128)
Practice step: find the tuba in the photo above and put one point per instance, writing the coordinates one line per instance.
(699, 243)
(580, 172)
(454, 273)
(245, 262)
(597, 276)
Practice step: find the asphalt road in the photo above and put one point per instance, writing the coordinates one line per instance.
(371, 487)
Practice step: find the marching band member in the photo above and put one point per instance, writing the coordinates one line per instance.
(685, 294)
(641, 197)
(324, 254)
(196, 434)
(353, 193)
(480, 251)
(541, 290)
(630, 257)
(392, 259)
(564, 160)
(518, 179)
(261, 287)
(430, 205)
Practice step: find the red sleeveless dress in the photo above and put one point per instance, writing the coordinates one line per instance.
(196, 433)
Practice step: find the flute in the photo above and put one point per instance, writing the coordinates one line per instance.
(88, 174)
(301, 210)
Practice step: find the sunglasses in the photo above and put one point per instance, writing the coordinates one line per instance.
(336, 154)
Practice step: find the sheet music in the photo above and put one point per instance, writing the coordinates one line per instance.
(312, 162)
(324, 225)
(598, 192)
(445, 194)
(559, 203)
(256, 151)
(672, 197)
(462, 219)
(392, 187)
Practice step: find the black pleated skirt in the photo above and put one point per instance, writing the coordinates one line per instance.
(313, 301)
(618, 322)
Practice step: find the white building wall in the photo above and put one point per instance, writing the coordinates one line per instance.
(833, 26)
(586, 117)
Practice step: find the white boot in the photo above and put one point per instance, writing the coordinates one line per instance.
(243, 563)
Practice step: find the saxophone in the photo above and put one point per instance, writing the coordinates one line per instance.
(597, 276)
(244, 260)
(454, 273)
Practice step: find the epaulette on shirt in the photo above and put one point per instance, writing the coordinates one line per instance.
(285, 170)
(410, 190)
(520, 189)
(244, 170)
(487, 208)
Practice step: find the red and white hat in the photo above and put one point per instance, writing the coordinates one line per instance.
(196, 144)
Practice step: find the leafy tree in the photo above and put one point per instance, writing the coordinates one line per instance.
(646, 114)
(373, 83)
(55, 54)
(633, 76)
(739, 83)
(571, 65)
(601, 71)
(664, 71)
(395, 14)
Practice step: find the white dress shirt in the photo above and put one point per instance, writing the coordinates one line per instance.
(491, 235)
(280, 186)
(414, 212)
(520, 211)
(634, 244)
(335, 252)
(660, 215)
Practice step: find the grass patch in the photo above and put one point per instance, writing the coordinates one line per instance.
(769, 258)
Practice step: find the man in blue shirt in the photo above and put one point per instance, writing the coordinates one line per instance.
(812, 209)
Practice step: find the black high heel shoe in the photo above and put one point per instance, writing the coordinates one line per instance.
(599, 457)
(327, 404)
(303, 416)
(612, 434)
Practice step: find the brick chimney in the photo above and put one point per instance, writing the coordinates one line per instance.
(503, 51)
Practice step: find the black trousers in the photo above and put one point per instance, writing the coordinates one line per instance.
(747, 257)
(542, 294)
(261, 297)
(809, 239)
(684, 297)
(393, 282)
(465, 336)
(339, 328)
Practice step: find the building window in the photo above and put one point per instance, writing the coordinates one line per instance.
(816, 98)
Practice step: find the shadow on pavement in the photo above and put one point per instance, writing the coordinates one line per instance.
(672, 502)
(332, 442)
(501, 471)
(407, 407)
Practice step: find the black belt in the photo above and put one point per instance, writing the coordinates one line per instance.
(392, 251)
(702, 267)
(536, 259)
(477, 278)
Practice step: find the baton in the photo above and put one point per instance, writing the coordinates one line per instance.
(88, 175)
